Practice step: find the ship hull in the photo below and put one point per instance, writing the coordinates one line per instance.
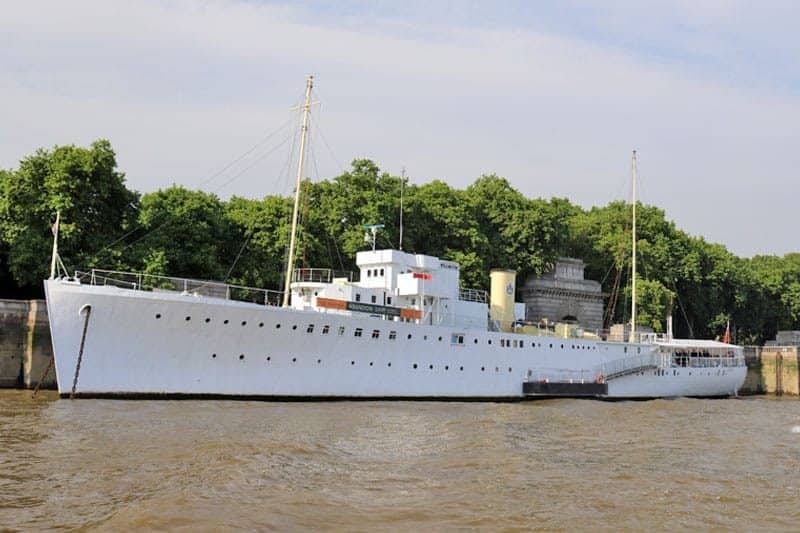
(154, 344)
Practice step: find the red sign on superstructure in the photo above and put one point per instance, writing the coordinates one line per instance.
(422, 275)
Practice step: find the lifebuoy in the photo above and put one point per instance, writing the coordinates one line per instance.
(600, 379)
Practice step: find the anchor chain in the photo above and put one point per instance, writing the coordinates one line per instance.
(44, 375)
(80, 352)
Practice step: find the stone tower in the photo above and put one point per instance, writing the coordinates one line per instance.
(563, 295)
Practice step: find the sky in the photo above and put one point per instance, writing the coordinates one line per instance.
(553, 96)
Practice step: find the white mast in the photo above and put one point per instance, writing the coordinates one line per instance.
(402, 183)
(633, 257)
(304, 134)
(54, 259)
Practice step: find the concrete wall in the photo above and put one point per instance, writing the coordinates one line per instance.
(25, 346)
(772, 370)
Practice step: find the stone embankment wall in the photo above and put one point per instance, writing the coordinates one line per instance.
(772, 370)
(25, 346)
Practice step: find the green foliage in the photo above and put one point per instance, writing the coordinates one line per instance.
(185, 232)
(84, 184)
(179, 232)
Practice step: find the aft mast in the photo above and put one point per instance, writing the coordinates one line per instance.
(633, 247)
(292, 240)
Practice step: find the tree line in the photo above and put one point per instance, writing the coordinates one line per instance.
(489, 224)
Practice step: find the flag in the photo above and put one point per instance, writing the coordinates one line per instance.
(727, 337)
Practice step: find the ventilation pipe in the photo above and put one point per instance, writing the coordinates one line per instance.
(503, 287)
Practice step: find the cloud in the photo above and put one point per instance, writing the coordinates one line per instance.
(552, 97)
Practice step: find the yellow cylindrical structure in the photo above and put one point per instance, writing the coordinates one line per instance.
(501, 308)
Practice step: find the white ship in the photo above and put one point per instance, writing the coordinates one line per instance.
(405, 329)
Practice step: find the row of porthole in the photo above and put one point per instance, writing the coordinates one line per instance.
(504, 342)
(389, 364)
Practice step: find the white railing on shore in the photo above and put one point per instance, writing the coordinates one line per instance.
(149, 282)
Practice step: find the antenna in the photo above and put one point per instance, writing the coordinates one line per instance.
(633, 258)
(402, 182)
(372, 233)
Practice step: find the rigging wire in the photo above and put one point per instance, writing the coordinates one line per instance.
(230, 270)
(330, 150)
(165, 222)
(213, 176)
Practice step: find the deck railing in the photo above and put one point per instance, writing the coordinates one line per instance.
(149, 282)
(320, 275)
(473, 295)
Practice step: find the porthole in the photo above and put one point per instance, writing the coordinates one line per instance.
(409, 336)
(370, 363)
(509, 369)
(497, 369)
(389, 364)
(244, 322)
(424, 337)
(208, 320)
(461, 368)
(551, 344)
(188, 318)
(241, 357)
(490, 341)
(319, 361)
(158, 315)
(261, 324)
(440, 339)
(294, 327)
(294, 359)
(352, 362)
(476, 341)
(415, 365)
(225, 321)
(483, 369)
(269, 358)
(277, 326)
(213, 356)
(430, 366)
(562, 346)
(446, 367)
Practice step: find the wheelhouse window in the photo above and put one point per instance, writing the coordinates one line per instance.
(325, 329)
(358, 332)
(376, 333)
(392, 335)
(310, 328)
(358, 297)
(373, 298)
(341, 330)
(457, 338)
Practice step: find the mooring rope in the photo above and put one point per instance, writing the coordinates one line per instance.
(80, 352)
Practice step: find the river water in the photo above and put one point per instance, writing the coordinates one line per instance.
(551, 464)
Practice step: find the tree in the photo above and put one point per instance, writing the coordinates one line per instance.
(85, 185)
(185, 233)
(264, 226)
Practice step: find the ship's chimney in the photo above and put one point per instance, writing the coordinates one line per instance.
(503, 285)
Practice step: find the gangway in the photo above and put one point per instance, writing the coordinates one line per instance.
(626, 366)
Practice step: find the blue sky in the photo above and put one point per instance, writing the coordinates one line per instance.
(551, 95)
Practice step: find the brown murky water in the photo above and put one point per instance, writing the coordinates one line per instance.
(556, 464)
